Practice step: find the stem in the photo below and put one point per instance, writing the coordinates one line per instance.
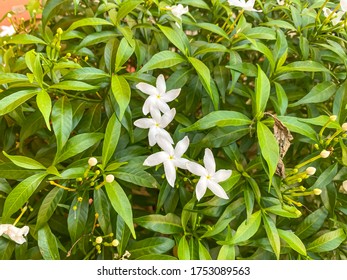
(20, 215)
(62, 187)
(232, 26)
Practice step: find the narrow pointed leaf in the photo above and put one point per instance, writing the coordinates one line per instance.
(48, 244)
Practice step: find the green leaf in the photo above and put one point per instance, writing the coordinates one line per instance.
(48, 206)
(152, 245)
(11, 171)
(86, 73)
(25, 39)
(96, 38)
(293, 241)
(12, 101)
(25, 162)
(136, 176)
(268, 147)
(247, 229)
(220, 119)
(111, 138)
(44, 104)
(48, 244)
(226, 252)
(50, 9)
(212, 27)
(168, 224)
(272, 234)
(62, 121)
(20, 194)
(73, 85)
(88, 22)
(79, 144)
(176, 37)
(328, 241)
(77, 218)
(6, 248)
(303, 66)
(124, 52)
(288, 211)
(121, 92)
(262, 91)
(203, 252)
(120, 204)
(157, 257)
(6, 78)
(163, 59)
(319, 93)
(205, 78)
(312, 223)
(295, 125)
(103, 208)
(126, 7)
(325, 178)
(183, 251)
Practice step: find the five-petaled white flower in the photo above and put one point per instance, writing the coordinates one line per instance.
(336, 17)
(158, 97)
(156, 125)
(242, 4)
(209, 178)
(178, 10)
(7, 30)
(170, 157)
(16, 234)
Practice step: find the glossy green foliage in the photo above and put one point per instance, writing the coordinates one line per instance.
(265, 92)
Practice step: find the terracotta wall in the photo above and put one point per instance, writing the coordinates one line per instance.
(14, 5)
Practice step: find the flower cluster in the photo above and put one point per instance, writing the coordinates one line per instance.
(336, 16)
(172, 157)
(15, 233)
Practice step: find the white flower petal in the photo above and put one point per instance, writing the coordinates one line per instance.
(171, 95)
(167, 117)
(166, 135)
(200, 188)
(147, 89)
(209, 162)
(4, 228)
(155, 114)
(165, 145)
(162, 106)
(170, 172)
(326, 11)
(152, 136)
(160, 83)
(217, 189)
(343, 5)
(221, 175)
(181, 147)
(196, 169)
(181, 163)
(18, 239)
(156, 159)
(147, 105)
(144, 123)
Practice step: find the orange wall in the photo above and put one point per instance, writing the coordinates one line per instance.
(6, 6)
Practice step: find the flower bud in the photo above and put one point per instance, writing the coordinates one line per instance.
(333, 118)
(324, 154)
(79, 199)
(92, 161)
(317, 191)
(98, 240)
(109, 178)
(310, 170)
(344, 126)
(343, 187)
(60, 31)
(115, 242)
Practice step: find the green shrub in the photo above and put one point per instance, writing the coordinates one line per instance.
(145, 130)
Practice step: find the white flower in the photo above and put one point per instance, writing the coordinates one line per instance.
(343, 5)
(16, 234)
(343, 187)
(7, 30)
(242, 4)
(156, 125)
(170, 157)
(336, 17)
(158, 97)
(178, 10)
(209, 178)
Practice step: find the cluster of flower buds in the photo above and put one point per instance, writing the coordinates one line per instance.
(99, 241)
(53, 49)
(172, 157)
